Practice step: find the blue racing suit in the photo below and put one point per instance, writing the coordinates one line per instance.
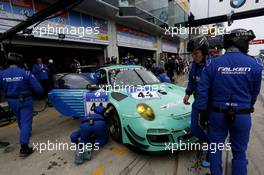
(18, 85)
(43, 76)
(95, 132)
(156, 68)
(233, 80)
(38, 71)
(194, 78)
(129, 62)
(164, 78)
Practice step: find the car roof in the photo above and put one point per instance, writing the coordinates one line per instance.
(107, 68)
(63, 75)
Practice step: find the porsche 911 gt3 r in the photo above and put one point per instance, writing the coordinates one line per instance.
(144, 112)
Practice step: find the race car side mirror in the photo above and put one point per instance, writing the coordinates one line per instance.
(92, 87)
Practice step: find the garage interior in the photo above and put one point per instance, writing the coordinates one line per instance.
(60, 51)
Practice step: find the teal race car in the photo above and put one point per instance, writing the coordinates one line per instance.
(144, 112)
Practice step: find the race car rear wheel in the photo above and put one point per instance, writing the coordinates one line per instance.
(115, 126)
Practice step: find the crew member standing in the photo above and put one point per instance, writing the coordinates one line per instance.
(18, 85)
(233, 81)
(199, 49)
(41, 72)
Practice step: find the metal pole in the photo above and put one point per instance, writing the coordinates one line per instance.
(208, 9)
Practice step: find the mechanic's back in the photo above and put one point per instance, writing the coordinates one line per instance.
(238, 80)
(18, 85)
(229, 86)
(17, 82)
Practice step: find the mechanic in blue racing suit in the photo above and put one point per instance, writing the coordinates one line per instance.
(92, 130)
(233, 81)
(163, 77)
(156, 68)
(130, 60)
(199, 49)
(18, 85)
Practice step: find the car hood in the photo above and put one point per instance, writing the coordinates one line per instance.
(168, 102)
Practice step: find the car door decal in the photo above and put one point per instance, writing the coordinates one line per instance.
(92, 99)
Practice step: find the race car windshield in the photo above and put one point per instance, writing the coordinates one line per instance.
(73, 81)
(147, 76)
(132, 77)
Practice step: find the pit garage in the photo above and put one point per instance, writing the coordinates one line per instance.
(61, 52)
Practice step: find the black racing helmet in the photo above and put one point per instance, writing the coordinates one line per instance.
(198, 43)
(216, 42)
(15, 59)
(239, 38)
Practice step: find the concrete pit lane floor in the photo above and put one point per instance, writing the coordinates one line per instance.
(114, 158)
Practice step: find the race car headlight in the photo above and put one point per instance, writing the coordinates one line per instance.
(145, 111)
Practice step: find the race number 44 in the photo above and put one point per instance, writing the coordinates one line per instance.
(144, 95)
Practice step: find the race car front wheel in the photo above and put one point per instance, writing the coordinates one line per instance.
(115, 126)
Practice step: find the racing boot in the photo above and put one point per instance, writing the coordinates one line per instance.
(205, 163)
(25, 150)
(87, 155)
(79, 157)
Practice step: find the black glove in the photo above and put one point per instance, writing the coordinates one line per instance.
(252, 110)
(203, 120)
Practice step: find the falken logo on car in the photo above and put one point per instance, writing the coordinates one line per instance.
(237, 3)
(234, 70)
(169, 105)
